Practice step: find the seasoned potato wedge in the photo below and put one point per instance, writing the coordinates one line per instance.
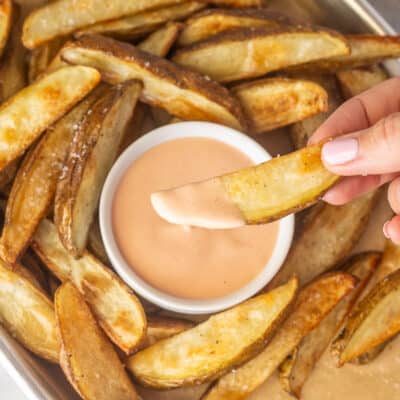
(274, 102)
(213, 21)
(33, 189)
(6, 17)
(365, 50)
(237, 3)
(95, 243)
(28, 314)
(314, 302)
(375, 320)
(181, 92)
(226, 57)
(62, 17)
(337, 229)
(28, 113)
(223, 341)
(298, 366)
(95, 145)
(117, 309)
(160, 42)
(355, 81)
(87, 357)
(138, 24)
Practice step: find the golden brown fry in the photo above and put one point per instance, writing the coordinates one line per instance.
(59, 18)
(95, 243)
(181, 92)
(33, 190)
(297, 367)
(6, 18)
(210, 22)
(28, 113)
(313, 303)
(28, 314)
(208, 350)
(355, 81)
(136, 25)
(94, 147)
(274, 102)
(226, 57)
(336, 229)
(117, 309)
(237, 3)
(87, 358)
(375, 320)
(160, 42)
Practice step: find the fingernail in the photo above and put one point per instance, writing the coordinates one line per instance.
(386, 229)
(340, 151)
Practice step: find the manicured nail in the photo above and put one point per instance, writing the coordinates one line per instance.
(340, 151)
(386, 229)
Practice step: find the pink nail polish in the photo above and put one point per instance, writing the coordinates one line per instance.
(340, 151)
(386, 229)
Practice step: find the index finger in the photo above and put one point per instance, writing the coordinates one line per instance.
(361, 111)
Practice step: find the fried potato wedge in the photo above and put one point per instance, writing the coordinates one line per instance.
(355, 81)
(298, 366)
(364, 50)
(375, 320)
(160, 42)
(95, 145)
(337, 229)
(34, 187)
(237, 3)
(6, 18)
(226, 57)
(136, 25)
(117, 309)
(208, 350)
(210, 22)
(95, 243)
(87, 357)
(274, 102)
(183, 93)
(28, 314)
(28, 113)
(66, 16)
(313, 303)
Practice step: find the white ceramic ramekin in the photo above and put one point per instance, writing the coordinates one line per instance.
(166, 133)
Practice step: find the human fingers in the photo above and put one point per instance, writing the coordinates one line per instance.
(391, 229)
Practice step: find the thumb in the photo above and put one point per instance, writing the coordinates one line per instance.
(375, 150)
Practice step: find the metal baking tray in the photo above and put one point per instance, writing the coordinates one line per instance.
(41, 381)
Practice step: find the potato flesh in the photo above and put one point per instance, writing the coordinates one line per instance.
(88, 359)
(117, 309)
(206, 351)
(276, 188)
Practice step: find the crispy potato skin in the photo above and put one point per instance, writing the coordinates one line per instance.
(208, 350)
(87, 357)
(6, 18)
(165, 84)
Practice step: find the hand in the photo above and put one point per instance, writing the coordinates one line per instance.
(367, 153)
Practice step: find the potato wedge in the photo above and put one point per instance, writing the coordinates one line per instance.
(117, 309)
(365, 50)
(34, 187)
(336, 229)
(6, 18)
(274, 102)
(28, 113)
(314, 302)
(355, 81)
(136, 25)
(210, 22)
(28, 314)
(182, 93)
(160, 42)
(95, 145)
(237, 3)
(223, 341)
(95, 243)
(226, 57)
(375, 320)
(66, 16)
(86, 356)
(298, 366)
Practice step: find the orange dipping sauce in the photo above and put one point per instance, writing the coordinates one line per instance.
(183, 261)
